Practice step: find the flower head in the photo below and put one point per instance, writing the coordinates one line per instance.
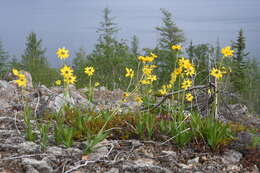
(89, 71)
(153, 55)
(126, 94)
(183, 62)
(189, 97)
(22, 81)
(146, 82)
(15, 72)
(163, 90)
(96, 84)
(138, 99)
(186, 84)
(216, 73)
(129, 72)
(66, 71)
(190, 71)
(146, 58)
(58, 82)
(152, 78)
(70, 79)
(226, 51)
(62, 53)
(176, 47)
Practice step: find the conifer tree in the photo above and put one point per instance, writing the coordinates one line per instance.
(34, 61)
(170, 35)
(3, 60)
(240, 64)
(135, 45)
(110, 56)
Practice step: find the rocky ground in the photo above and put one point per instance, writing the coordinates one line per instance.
(113, 156)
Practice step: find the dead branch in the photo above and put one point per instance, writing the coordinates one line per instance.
(180, 91)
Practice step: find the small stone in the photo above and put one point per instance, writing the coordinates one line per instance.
(113, 170)
(171, 153)
(231, 157)
(100, 152)
(28, 147)
(183, 166)
(41, 166)
(193, 161)
(54, 151)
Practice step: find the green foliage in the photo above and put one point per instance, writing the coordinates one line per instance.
(3, 60)
(29, 134)
(63, 134)
(180, 129)
(239, 66)
(91, 143)
(109, 58)
(216, 133)
(170, 34)
(201, 55)
(35, 62)
(145, 125)
(44, 129)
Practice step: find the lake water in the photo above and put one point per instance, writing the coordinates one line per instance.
(73, 23)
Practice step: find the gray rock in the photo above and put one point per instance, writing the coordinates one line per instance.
(28, 147)
(30, 169)
(193, 161)
(113, 170)
(231, 157)
(42, 166)
(56, 151)
(73, 152)
(100, 152)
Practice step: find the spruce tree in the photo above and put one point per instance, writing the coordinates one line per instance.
(110, 56)
(170, 35)
(135, 45)
(35, 62)
(240, 64)
(3, 60)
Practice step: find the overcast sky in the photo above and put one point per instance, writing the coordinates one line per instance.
(74, 23)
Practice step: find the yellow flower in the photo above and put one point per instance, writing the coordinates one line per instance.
(58, 82)
(15, 72)
(129, 72)
(173, 78)
(152, 77)
(169, 86)
(97, 84)
(186, 84)
(216, 73)
(126, 94)
(147, 70)
(145, 82)
(178, 71)
(163, 91)
(189, 97)
(226, 51)
(190, 71)
(89, 71)
(62, 53)
(146, 58)
(183, 62)
(138, 99)
(66, 71)
(70, 79)
(21, 82)
(176, 47)
(153, 55)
